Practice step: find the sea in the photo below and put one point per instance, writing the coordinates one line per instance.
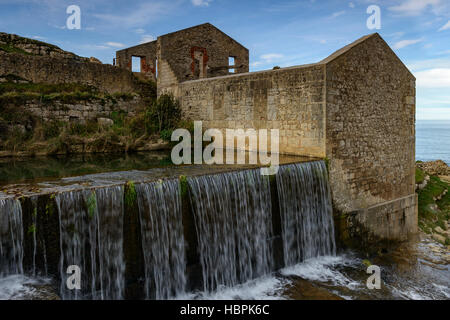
(433, 140)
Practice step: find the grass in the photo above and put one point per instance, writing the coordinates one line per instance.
(127, 133)
(10, 48)
(433, 213)
(420, 176)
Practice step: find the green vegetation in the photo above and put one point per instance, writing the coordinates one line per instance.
(91, 204)
(32, 229)
(130, 194)
(433, 212)
(163, 115)
(183, 186)
(22, 131)
(10, 48)
(420, 176)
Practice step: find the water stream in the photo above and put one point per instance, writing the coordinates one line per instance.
(227, 221)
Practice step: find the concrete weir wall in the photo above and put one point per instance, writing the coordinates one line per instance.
(356, 109)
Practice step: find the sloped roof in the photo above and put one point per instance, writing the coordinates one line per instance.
(354, 44)
(207, 24)
(347, 48)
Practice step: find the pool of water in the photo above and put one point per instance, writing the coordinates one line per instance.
(20, 170)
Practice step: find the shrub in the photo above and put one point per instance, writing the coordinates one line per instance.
(52, 129)
(163, 114)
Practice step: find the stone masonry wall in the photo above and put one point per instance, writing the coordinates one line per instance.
(81, 111)
(147, 53)
(55, 70)
(370, 126)
(290, 99)
(195, 53)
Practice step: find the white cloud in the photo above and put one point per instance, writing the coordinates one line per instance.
(351, 5)
(405, 43)
(415, 7)
(267, 58)
(39, 38)
(147, 38)
(337, 14)
(271, 56)
(424, 113)
(434, 78)
(445, 27)
(421, 65)
(141, 15)
(396, 34)
(201, 3)
(115, 44)
(140, 31)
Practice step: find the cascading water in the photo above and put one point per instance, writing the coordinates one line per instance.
(163, 244)
(306, 211)
(91, 237)
(11, 237)
(233, 219)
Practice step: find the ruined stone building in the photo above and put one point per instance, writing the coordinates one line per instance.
(195, 53)
(355, 108)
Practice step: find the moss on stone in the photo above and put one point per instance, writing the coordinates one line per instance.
(130, 194)
(420, 176)
(432, 212)
(91, 204)
(183, 186)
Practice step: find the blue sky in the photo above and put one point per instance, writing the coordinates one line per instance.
(282, 33)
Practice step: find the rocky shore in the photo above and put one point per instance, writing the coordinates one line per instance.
(432, 186)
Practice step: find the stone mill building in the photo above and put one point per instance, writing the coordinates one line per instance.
(356, 109)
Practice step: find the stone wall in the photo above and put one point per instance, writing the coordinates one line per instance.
(291, 100)
(356, 108)
(370, 136)
(82, 111)
(147, 54)
(201, 52)
(55, 70)
(370, 126)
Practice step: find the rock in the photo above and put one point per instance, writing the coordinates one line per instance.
(105, 122)
(94, 60)
(439, 230)
(435, 168)
(438, 238)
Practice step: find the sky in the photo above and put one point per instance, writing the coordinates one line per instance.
(277, 33)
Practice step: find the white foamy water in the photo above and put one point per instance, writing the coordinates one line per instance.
(19, 287)
(323, 269)
(264, 288)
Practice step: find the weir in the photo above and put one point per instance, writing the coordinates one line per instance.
(162, 239)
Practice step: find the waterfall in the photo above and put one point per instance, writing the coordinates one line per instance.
(306, 211)
(11, 237)
(163, 244)
(91, 237)
(233, 219)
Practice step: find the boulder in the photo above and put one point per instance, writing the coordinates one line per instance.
(106, 122)
(435, 168)
(94, 60)
(439, 230)
(438, 238)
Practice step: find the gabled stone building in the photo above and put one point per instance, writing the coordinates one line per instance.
(195, 53)
(355, 108)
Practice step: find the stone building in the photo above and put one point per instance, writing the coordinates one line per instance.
(355, 108)
(195, 53)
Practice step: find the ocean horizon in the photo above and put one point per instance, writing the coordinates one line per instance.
(433, 140)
